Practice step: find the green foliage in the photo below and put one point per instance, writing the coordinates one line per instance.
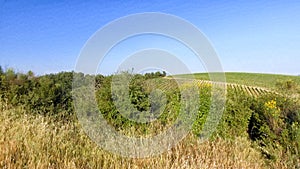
(204, 108)
(236, 116)
(139, 98)
(271, 121)
(137, 94)
(274, 125)
(289, 88)
(1, 71)
(48, 95)
(155, 75)
(286, 85)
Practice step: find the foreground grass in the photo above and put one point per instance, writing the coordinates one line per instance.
(28, 141)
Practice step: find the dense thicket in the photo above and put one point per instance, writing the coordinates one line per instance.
(49, 94)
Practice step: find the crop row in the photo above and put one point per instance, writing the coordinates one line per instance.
(172, 84)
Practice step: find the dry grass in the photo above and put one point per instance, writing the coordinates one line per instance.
(36, 142)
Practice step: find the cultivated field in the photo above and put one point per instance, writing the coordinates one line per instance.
(255, 84)
(268, 81)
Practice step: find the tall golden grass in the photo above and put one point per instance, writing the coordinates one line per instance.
(28, 141)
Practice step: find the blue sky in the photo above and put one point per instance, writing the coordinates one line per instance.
(47, 36)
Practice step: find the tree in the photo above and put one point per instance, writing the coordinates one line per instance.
(30, 74)
(1, 77)
(10, 75)
(1, 71)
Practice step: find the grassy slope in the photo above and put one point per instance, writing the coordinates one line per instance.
(251, 79)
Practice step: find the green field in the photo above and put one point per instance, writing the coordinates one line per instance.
(250, 79)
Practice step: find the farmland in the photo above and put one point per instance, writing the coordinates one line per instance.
(251, 79)
(258, 129)
(254, 84)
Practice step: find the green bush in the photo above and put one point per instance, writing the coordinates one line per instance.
(274, 126)
(48, 95)
(236, 116)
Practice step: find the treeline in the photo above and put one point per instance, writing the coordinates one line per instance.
(155, 74)
(48, 94)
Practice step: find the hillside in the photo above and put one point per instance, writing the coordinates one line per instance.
(250, 79)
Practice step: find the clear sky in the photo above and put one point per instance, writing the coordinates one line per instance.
(249, 36)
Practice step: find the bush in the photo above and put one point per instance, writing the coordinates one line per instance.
(47, 95)
(236, 116)
(274, 126)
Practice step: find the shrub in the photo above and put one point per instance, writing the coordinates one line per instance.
(274, 126)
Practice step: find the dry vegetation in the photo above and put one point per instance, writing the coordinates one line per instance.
(37, 142)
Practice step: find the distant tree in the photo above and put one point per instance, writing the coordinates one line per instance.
(1, 77)
(1, 71)
(10, 75)
(155, 75)
(30, 74)
(99, 80)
